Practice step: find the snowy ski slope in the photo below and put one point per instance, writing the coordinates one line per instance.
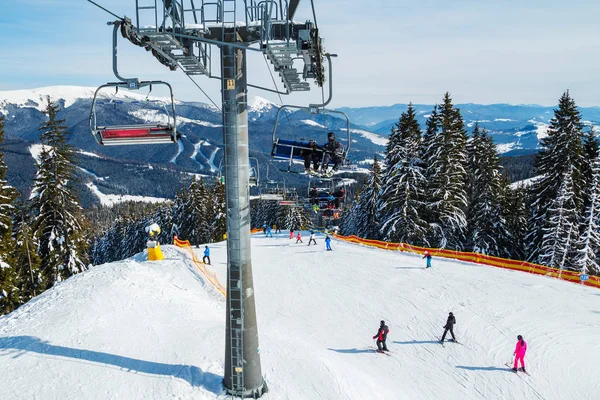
(140, 330)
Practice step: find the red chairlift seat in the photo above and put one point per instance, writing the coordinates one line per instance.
(136, 134)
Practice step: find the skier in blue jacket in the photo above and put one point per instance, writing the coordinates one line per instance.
(206, 255)
(328, 242)
(269, 234)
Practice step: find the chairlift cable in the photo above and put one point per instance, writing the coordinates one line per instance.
(276, 88)
(272, 77)
(104, 9)
(312, 4)
(207, 96)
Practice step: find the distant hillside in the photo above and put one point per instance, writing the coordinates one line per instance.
(158, 171)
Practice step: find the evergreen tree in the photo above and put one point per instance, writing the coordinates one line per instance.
(350, 214)
(561, 155)
(59, 222)
(367, 218)
(515, 215)
(219, 208)
(445, 160)
(27, 261)
(195, 226)
(588, 246)
(561, 229)
(403, 184)
(485, 220)
(9, 292)
(591, 149)
(294, 217)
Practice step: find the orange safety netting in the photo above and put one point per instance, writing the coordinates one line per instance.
(525, 266)
(211, 276)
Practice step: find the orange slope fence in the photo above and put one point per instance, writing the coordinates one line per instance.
(571, 276)
(211, 276)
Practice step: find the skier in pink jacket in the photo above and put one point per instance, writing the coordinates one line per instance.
(519, 354)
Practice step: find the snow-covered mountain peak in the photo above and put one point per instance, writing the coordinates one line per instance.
(259, 104)
(36, 98)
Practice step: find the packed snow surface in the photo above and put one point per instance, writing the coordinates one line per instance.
(155, 330)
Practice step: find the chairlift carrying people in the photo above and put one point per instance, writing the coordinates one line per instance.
(303, 150)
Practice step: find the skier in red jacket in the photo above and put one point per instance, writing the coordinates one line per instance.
(381, 337)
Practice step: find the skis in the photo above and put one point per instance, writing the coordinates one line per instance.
(387, 353)
(518, 370)
(449, 340)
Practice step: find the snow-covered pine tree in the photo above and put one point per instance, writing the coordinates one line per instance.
(561, 152)
(445, 159)
(59, 223)
(9, 292)
(591, 149)
(561, 230)
(195, 226)
(348, 224)
(487, 232)
(515, 215)
(294, 217)
(367, 219)
(219, 209)
(588, 246)
(400, 206)
(27, 261)
(179, 211)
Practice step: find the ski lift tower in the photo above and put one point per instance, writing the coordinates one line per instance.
(181, 33)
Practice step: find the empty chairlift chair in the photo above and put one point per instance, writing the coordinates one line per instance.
(146, 133)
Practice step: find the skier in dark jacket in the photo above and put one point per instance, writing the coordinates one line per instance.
(312, 155)
(449, 327)
(381, 336)
(333, 151)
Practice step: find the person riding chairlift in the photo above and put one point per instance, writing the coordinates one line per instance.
(333, 151)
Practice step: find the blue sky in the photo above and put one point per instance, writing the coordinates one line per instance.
(390, 51)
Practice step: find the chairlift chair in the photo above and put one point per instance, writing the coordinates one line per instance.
(111, 135)
(290, 150)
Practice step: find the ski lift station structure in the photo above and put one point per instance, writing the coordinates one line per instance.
(180, 34)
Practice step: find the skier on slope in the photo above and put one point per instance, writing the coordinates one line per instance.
(268, 234)
(299, 238)
(381, 337)
(206, 255)
(327, 242)
(449, 327)
(312, 238)
(427, 255)
(519, 353)
(291, 233)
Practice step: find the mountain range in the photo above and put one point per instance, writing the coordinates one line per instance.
(159, 171)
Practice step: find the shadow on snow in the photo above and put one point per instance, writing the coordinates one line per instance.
(352, 351)
(419, 342)
(189, 373)
(506, 369)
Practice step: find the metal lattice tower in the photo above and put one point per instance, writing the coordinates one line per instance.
(181, 33)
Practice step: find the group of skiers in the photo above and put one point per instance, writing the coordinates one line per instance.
(322, 155)
(311, 239)
(519, 353)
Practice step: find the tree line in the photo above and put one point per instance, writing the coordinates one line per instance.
(439, 188)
